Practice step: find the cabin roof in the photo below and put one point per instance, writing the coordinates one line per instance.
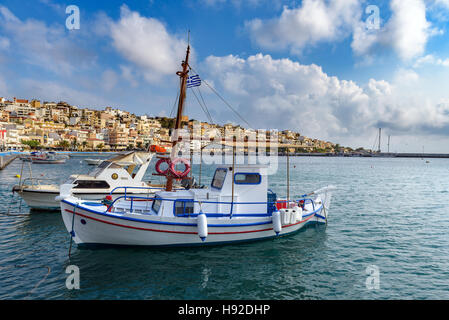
(134, 157)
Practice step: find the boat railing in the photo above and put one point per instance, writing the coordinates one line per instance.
(35, 181)
(201, 202)
(300, 202)
(135, 188)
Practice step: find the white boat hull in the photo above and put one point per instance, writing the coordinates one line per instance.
(92, 225)
(39, 161)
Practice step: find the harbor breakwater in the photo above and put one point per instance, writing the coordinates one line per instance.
(6, 158)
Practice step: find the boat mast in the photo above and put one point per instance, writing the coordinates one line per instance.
(380, 136)
(182, 96)
(388, 143)
(288, 177)
(184, 74)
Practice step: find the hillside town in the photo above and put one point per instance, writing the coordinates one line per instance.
(32, 124)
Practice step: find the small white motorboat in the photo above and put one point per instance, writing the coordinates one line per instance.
(109, 178)
(27, 156)
(47, 158)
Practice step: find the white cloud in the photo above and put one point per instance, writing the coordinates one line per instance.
(48, 47)
(319, 21)
(313, 22)
(410, 28)
(281, 93)
(431, 60)
(406, 32)
(406, 77)
(146, 43)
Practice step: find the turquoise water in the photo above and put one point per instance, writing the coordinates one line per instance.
(390, 213)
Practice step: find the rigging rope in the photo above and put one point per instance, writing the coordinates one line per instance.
(174, 106)
(202, 99)
(222, 99)
(202, 107)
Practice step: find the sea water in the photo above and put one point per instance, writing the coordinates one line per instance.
(387, 238)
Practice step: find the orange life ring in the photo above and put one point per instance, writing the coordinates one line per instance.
(179, 174)
(158, 164)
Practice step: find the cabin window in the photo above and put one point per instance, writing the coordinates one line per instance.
(104, 164)
(91, 184)
(219, 178)
(183, 207)
(247, 178)
(156, 205)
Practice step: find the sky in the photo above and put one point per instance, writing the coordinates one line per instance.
(333, 70)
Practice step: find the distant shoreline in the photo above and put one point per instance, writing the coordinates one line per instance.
(374, 155)
(377, 155)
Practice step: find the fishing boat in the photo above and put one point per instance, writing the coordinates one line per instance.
(47, 158)
(237, 206)
(111, 177)
(27, 156)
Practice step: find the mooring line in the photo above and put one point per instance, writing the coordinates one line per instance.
(39, 283)
(72, 233)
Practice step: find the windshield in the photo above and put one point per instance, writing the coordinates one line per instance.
(156, 204)
(219, 177)
(105, 164)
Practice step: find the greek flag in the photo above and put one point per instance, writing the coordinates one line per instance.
(193, 81)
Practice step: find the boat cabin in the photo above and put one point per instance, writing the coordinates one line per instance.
(250, 195)
(124, 170)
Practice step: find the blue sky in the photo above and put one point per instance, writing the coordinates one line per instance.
(312, 66)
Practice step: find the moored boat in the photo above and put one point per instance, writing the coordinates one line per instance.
(236, 207)
(47, 158)
(195, 216)
(111, 177)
